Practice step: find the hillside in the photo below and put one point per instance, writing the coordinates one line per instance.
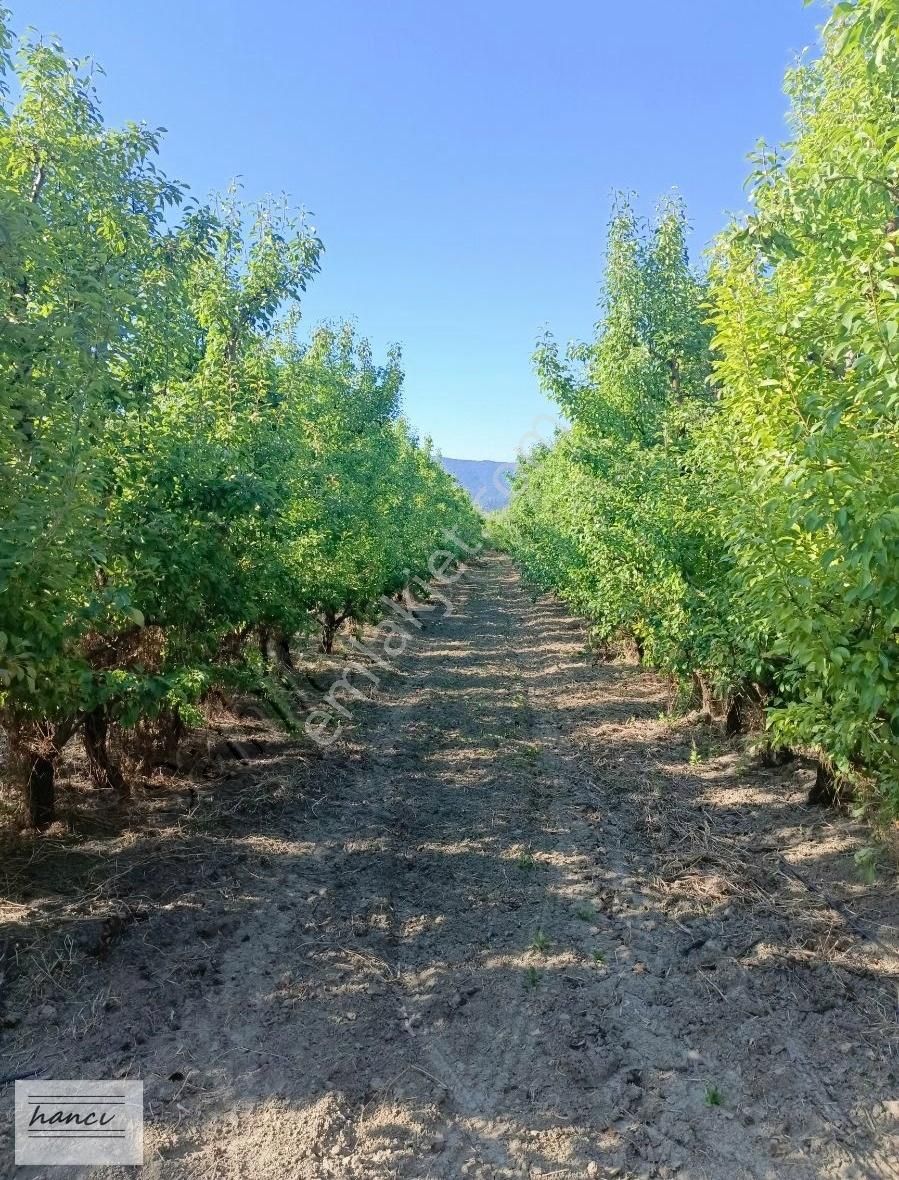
(485, 480)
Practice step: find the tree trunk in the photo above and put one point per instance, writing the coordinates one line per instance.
(40, 790)
(825, 791)
(103, 771)
(705, 695)
(733, 721)
(771, 756)
(36, 747)
(282, 647)
(331, 622)
(231, 645)
(264, 644)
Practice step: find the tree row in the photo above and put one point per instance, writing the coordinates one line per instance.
(726, 498)
(185, 483)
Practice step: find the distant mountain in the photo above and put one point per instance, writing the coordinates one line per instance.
(484, 480)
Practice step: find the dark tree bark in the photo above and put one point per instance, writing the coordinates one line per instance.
(36, 746)
(772, 756)
(825, 791)
(705, 692)
(40, 790)
(285, 658)
(331, 623)
(265, 637)
(103, 770)
(733, 719)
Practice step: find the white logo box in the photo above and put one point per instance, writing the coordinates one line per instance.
(79, 1122)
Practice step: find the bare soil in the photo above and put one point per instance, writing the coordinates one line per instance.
(518, 923)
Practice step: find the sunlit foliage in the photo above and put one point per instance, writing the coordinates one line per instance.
(728, 493)
(180, 476)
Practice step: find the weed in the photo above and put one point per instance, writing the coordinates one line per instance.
(713, 1096)
(525, 754)
(541, 943)
(585, 913)
(531, 977)
(695, 756)
(525, 862)
(866, 863)
(54, 965)
(599, 958)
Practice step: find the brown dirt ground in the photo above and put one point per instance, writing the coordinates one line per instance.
(519, 923)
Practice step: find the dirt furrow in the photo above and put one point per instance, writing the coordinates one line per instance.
(519, 923)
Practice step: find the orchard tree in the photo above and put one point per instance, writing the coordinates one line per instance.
(616, 514)
(806, 311)
(83, 213)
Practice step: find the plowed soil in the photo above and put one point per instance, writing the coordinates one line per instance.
(517, 922)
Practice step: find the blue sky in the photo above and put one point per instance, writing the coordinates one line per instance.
(458, 158)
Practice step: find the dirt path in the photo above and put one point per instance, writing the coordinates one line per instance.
(519, 926)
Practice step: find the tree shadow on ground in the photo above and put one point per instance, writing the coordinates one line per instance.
(508, 925)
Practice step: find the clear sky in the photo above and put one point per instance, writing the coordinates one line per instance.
(458, 157)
